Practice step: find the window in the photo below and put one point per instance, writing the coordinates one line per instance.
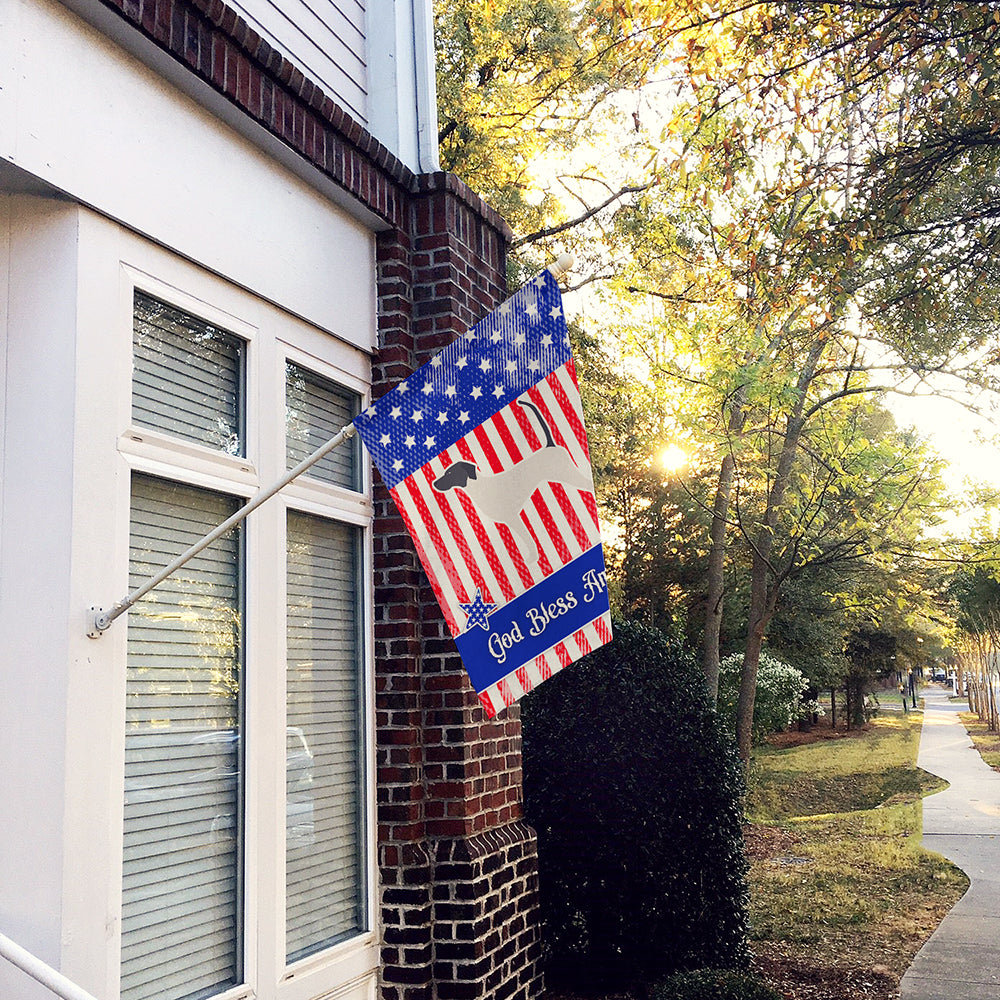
(315, 409)
(207, 833)
(324, 860)
(182, 872)
(187, 376)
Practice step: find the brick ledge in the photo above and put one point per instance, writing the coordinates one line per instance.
(211, 40)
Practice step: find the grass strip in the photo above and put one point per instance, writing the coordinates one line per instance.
(987, 743)
(838, 878)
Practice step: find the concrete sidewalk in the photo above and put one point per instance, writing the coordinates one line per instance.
(961, 960)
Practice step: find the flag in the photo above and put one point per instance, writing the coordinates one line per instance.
(484, 452)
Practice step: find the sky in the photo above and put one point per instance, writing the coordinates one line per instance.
(957, 436)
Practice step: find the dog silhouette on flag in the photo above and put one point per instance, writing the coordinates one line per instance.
(501, 497)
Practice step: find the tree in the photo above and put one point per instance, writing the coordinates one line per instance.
(521, 79)
(803, 215)
(976, 593)
(871, 653)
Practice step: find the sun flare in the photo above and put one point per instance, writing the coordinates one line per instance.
(673, 458)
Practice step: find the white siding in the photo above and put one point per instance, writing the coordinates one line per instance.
(113, 135)
(37, 297)
(375, 58)
(325, 39)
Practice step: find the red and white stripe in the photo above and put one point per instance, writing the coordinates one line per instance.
(519, 682)
(462, 551)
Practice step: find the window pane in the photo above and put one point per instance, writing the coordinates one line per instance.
(187, 376)
(315, 410)
(325, 888)
(181, 930)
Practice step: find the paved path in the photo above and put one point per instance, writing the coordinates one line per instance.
(961, 960)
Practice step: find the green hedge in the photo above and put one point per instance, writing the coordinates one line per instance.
(634, 790)
(708, 984)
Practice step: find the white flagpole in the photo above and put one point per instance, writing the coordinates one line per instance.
(101, 619)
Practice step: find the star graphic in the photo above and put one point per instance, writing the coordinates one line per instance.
(478, 611)
(462, 362)
(395, 412)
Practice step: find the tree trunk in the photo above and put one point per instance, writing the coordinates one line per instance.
(717, 555)
(716, 582)
(833, 708)
(991, 701)
(762, 603)
(763, 598)
(859, 704)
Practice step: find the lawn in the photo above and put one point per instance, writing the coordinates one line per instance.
(987, 743)
(842, 895)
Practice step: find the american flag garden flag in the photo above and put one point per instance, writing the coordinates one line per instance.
(485, 454)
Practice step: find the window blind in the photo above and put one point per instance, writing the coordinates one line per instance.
(315, 410)
(181, 892)
(325, 889)
(187, 376)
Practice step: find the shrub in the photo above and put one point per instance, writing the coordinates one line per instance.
(779, 692)
(634, 790)
(711, 984)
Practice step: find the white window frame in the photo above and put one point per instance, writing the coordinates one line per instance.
(272, 337)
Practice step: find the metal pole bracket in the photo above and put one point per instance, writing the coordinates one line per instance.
(98, 622)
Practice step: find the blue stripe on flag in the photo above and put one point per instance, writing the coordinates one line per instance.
(537, 620)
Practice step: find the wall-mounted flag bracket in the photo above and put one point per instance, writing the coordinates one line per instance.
(101, 619)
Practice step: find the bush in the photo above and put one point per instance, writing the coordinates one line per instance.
(634, 790)
(709, 984)
(779, 692)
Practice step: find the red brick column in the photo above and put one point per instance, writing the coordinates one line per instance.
(459, 868)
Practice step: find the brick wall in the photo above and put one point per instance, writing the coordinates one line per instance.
(458, 867)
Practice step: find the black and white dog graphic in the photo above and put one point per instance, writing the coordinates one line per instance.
(501, 497)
